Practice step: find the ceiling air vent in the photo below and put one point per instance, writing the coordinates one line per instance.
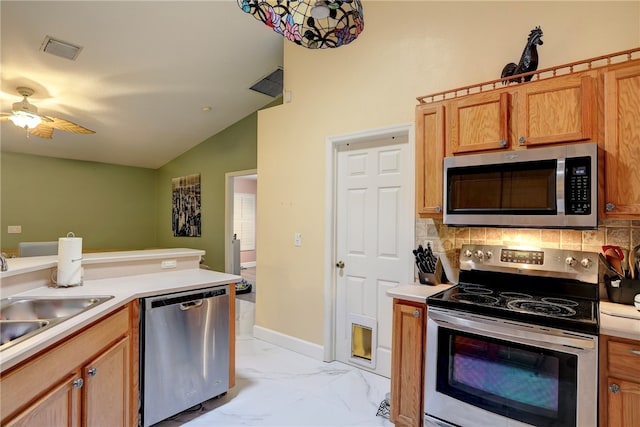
(270, 85)
(60, 48)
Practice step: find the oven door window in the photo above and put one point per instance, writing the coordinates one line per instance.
(525, 188)
(529, 384)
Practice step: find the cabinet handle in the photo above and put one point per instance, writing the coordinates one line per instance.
(522, 140)
(636, 352)
(416, 313)
(92, 372)
(78, 383)
(438, 209)
(609, 207)
(503, 143)
(615, 388)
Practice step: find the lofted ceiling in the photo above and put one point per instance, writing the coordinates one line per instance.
(143, 79)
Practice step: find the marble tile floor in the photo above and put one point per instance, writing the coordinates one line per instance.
(278, 387)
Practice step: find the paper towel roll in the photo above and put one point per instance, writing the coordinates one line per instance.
(69, 261)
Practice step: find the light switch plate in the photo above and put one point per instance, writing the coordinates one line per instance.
(169, 263)
(297, 239)
(14, 229)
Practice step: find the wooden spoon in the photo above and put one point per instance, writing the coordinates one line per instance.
(614, 260)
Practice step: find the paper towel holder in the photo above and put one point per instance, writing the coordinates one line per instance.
(69, 261)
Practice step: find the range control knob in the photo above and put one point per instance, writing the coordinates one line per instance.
(570, 261)
(489, 254)
(586, 262)
(479, 254)
(468, 253)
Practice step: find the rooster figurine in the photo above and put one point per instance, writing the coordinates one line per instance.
(528, 60)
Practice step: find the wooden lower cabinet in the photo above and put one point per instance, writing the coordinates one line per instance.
(619, 382)
(89, 379)
(407, 363)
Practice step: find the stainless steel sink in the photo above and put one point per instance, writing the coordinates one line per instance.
(24, 317)
(13, 329)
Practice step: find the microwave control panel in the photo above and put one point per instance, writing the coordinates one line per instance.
(577, 189)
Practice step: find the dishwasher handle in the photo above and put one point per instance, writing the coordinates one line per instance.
(186, 300)
(191, 305)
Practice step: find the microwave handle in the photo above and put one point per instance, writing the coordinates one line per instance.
(560, 177)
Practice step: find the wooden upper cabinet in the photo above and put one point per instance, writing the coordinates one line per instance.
(479, 122)
(622, 140)
(549, 111)
(430, 149)
(562, 109)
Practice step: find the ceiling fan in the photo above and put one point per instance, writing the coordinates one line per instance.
(25, 115)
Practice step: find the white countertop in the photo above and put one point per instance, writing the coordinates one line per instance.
(23, 265)
(618, 320)
(123, 289)
(416, 292)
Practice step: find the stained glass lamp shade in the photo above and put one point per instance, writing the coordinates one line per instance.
(309, 23)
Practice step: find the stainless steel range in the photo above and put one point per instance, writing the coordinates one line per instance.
(515, 343)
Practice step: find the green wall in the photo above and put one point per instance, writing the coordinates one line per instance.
(109, 206)
(121, 207)
(233, 149)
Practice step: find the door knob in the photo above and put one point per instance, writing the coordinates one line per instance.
(340, 264)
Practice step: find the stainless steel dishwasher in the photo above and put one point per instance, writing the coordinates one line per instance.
(184, 351)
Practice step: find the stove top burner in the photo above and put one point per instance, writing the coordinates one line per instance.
(561, 301)
(476, 290)
(541, 307)
(476, 298)
(569, 313)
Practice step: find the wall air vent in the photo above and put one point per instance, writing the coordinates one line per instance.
(60, 48)
(270, 85)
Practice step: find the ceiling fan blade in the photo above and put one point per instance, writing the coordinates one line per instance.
(62, 124)
(42, 131)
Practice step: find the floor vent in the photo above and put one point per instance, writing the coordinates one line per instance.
(270, 85)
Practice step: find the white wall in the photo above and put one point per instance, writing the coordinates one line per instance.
(407, 49)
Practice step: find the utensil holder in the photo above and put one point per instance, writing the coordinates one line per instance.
(625, 292)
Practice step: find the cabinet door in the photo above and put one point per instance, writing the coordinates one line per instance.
(556, 110)
(622, 141)
(624, 403)
(479, 122)
(59, 407)
(106, 391)
(430, 146)
(407, 364)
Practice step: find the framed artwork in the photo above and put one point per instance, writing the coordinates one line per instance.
(186, 219)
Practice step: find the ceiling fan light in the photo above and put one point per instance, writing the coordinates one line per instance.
(25, 120)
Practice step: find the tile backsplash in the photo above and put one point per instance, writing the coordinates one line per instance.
(623, 233)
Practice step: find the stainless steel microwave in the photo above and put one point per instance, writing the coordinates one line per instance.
(550, 187)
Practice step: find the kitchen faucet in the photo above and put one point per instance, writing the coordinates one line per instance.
(3, 262)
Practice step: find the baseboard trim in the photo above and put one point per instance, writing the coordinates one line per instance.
(315, 351)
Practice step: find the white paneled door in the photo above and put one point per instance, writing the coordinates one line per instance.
(374, 229)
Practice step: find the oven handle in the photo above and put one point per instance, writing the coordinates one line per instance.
(514, 330)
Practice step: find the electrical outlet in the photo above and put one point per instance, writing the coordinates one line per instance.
(170, 263)
(14, 229)
(297, 239)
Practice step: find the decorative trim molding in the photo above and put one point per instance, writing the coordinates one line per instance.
(315, 351)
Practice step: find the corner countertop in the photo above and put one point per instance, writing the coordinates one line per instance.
(619, 320)
(417, 292)
(123, 290)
